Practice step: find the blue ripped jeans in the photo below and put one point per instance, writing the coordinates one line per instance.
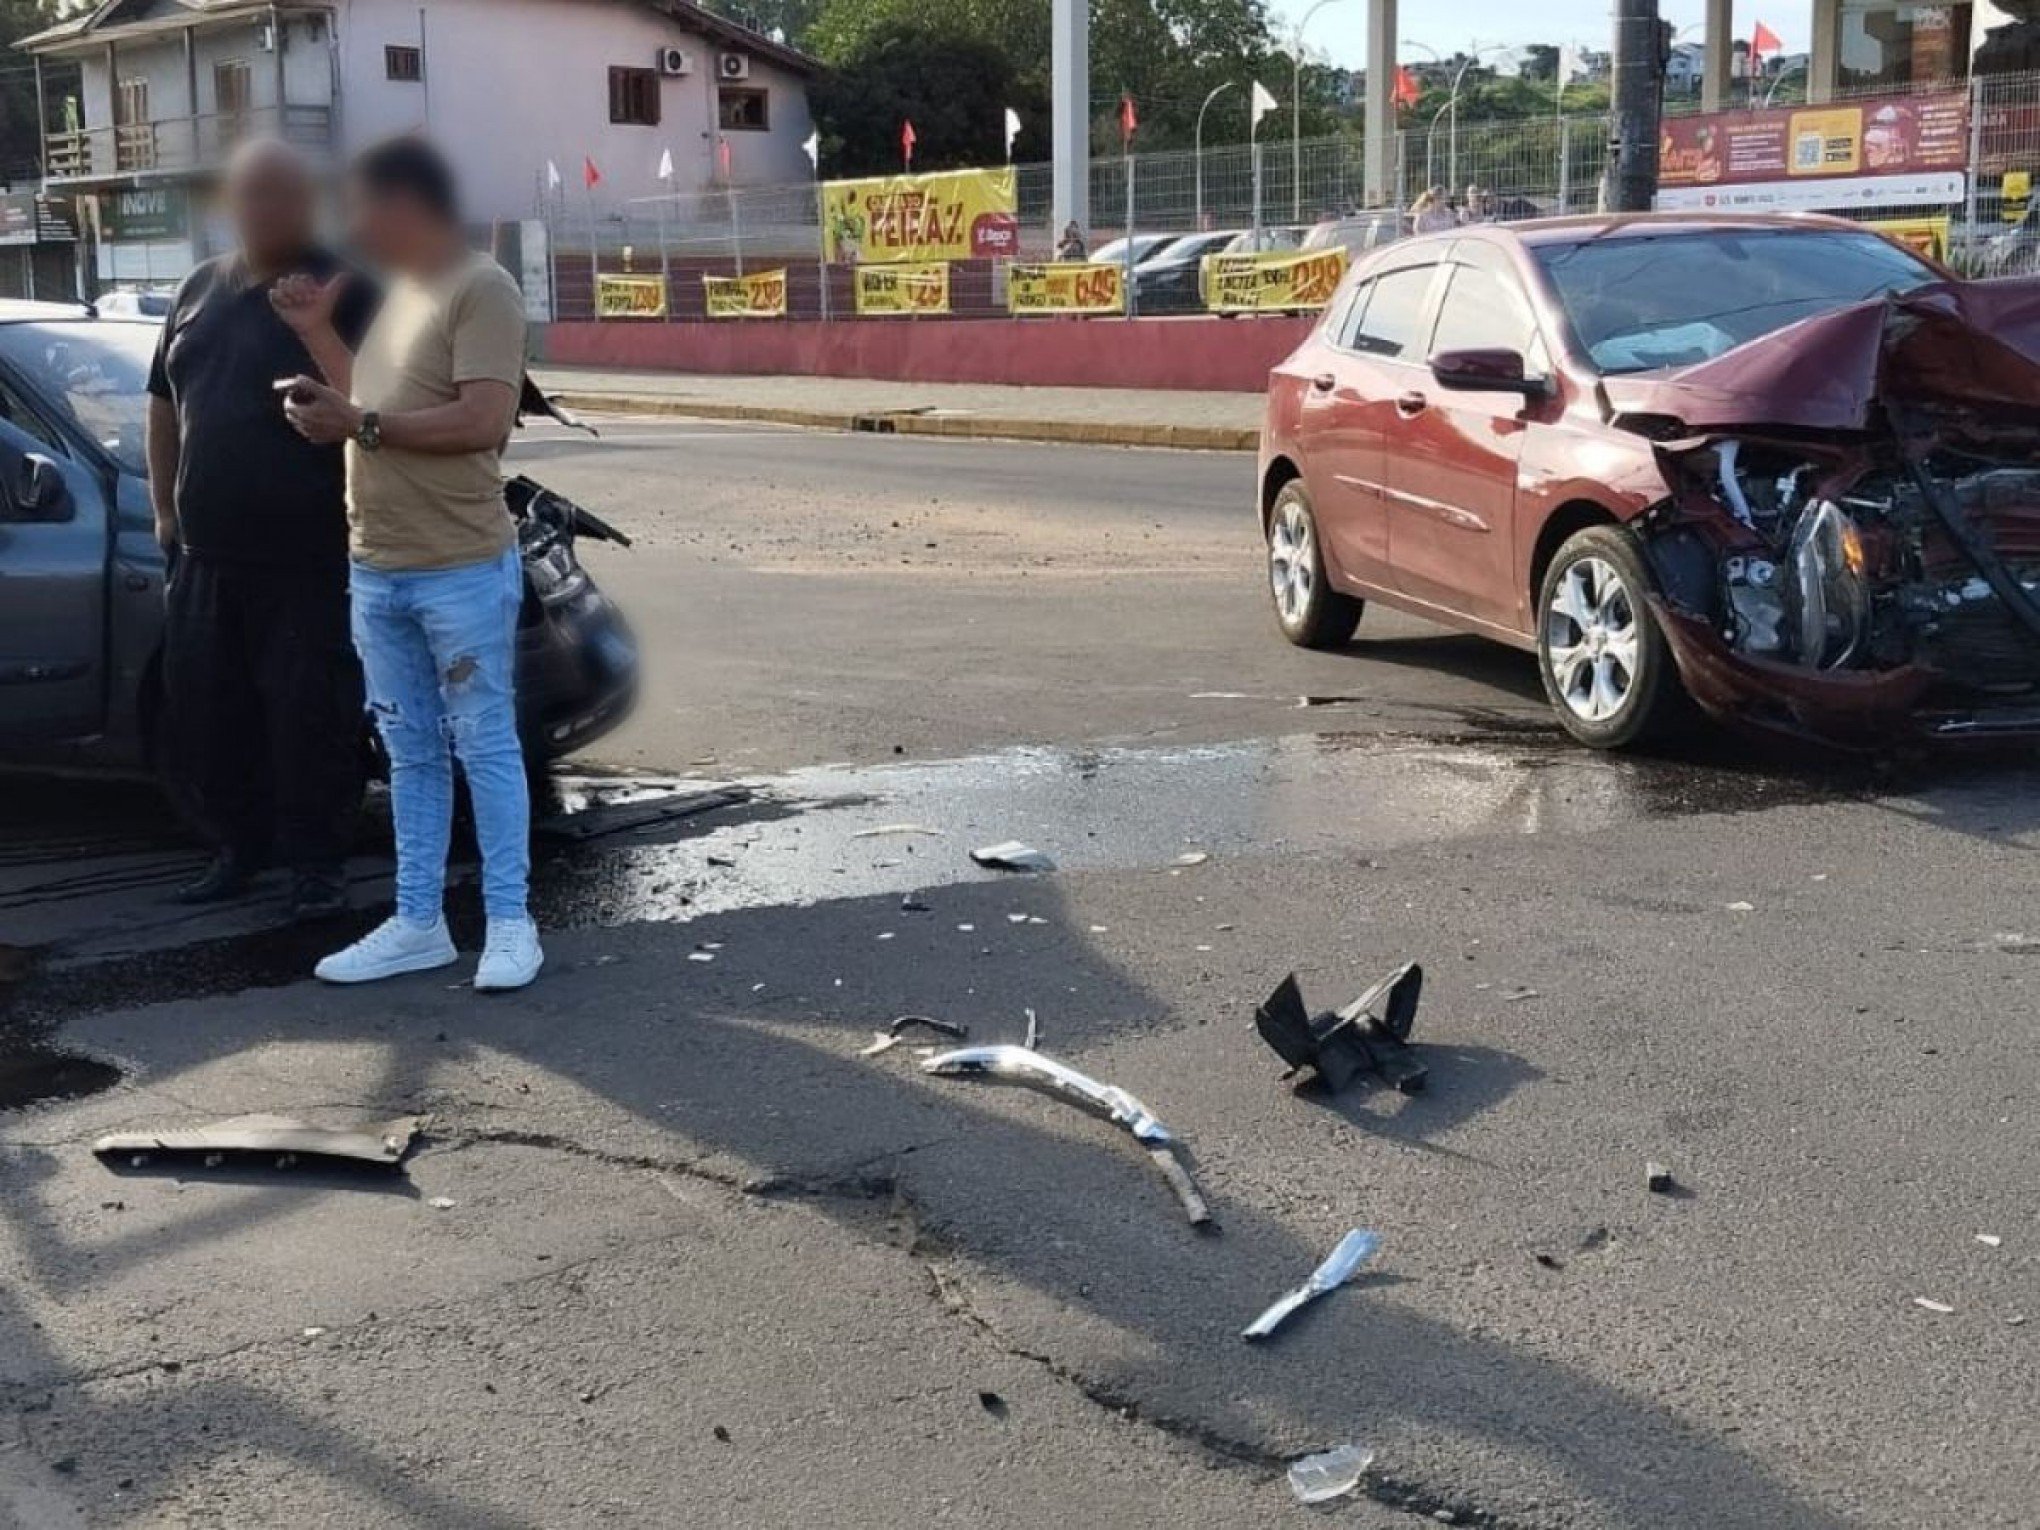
(439, 651)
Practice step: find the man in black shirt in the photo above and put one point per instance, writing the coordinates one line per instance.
(263, 701)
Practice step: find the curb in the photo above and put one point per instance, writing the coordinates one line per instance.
(1212, 438)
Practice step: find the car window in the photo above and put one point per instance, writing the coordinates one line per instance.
(1483, 310)
(1645, 301)
(1348, 314)
(1391, 325)
(94, 373)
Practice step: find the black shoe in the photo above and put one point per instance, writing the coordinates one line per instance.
(317, 895)
(226, 877)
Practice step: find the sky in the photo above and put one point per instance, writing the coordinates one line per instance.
(1339, 31)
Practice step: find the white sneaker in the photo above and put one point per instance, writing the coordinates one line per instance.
(396, 945)
(511, 957)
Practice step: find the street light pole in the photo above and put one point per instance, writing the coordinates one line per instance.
(1296, 115)
(1216, 92)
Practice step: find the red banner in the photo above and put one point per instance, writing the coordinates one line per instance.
(1884, 135)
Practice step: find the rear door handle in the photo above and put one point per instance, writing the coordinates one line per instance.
(1324, 382)
(1410, 404)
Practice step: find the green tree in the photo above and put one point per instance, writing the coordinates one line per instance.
(953, 87)
(20, 133)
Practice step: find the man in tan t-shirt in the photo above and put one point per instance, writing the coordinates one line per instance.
(425, 410)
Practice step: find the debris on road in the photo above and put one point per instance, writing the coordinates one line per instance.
(1932, 1306)
(880, 1042)
(442, 1203)
(949, 1028)
(1370, 1035)
(1340, 1266)
(993, 1404)
(885, 829)
(1191, 858)
(1990, 1240)
(1008, 1064)
(263, 1136)
(1330, 1474)
(1012, 855)
(913, 903)
(1658, 1179)
(1742, 907)
(1033, 1041)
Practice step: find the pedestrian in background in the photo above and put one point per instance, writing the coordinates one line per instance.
(426, 410)
(1476, 207)
(1430, 214)
(1071, 245)
(262, 693)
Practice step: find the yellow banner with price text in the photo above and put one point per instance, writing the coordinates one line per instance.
(630, 297)
(760, 295)
(1066, 287)
(901, 288)
(952, 215)
(1278, 281)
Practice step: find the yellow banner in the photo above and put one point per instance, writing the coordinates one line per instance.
(953, 215)
(630, 297)
(903, 289)
(760, 295)
(1272, 282)
(1929, 236)
(1066, 287)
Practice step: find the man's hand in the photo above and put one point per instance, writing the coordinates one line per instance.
(320, 414)
(305, 303)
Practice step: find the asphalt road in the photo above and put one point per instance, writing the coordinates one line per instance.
(671, 1251)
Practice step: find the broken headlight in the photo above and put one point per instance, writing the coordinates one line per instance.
(1831, 601)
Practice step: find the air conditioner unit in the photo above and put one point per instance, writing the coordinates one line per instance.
(732, 66)
(674, 61)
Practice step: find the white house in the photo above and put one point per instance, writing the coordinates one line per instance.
(141, 100)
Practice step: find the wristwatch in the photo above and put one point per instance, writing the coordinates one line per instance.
(369, 434)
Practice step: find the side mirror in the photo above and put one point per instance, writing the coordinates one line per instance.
(1486, 371)
(37, 493)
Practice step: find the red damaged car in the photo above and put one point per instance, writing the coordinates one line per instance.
(1780, 464)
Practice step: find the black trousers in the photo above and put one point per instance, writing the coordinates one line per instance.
(262, 731)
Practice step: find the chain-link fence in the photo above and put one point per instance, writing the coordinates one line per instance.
(1524, 168)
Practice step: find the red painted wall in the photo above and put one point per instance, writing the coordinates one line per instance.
(1202, 354)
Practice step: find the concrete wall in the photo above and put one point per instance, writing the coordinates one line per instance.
(513, 83)
(1203, 354)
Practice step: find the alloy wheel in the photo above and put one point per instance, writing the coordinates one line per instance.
(1292, 562)
(1591, 639)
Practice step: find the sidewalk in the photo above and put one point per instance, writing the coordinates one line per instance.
(1099, 416)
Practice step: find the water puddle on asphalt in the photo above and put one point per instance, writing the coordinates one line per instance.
(615, 849)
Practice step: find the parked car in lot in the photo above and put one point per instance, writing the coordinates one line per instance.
(1780, 464)
(1358, 235)
(1168, 282)
(81, 576)
(1145, 247)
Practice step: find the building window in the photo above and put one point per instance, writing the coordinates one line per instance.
(406, 64)
(634, 97)
(741, 111)
(232, 84)
(1885, 43)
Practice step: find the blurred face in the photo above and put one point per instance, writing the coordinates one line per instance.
(269, 202)
(383, 226)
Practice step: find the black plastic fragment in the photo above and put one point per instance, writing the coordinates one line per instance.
(949, 1028)
(1370, 1035)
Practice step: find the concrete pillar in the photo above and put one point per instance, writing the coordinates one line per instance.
(1717, 75)
(1380, 106)
(1824, 66)
(1070, 111)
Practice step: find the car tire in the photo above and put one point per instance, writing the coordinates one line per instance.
(1310, 612)
(1606, 666)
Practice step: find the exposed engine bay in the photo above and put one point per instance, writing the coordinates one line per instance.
(1882, 535)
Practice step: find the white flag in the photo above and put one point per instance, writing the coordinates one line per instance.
(552, 176)
(1264, 103)
(812, 147)
(1012, 130)
(666, 165)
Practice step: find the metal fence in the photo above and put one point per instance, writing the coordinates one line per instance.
(1530, 167)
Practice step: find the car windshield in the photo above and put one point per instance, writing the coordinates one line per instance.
(1640, 302)
(95, 373)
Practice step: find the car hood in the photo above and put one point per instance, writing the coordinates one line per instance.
(1970, 345)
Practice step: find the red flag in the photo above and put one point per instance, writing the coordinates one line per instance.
(1763, 41)
(722, 157)
(907, 142)
(1407, 90)
(590, 176)
(1129, 121)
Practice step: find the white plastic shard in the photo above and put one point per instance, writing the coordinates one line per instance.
(1331, 1474)
(1340, 1266)
(1012, 855)
(1009, 1064)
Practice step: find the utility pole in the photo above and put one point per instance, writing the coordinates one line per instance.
(1070, 113)
(1630, 184)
